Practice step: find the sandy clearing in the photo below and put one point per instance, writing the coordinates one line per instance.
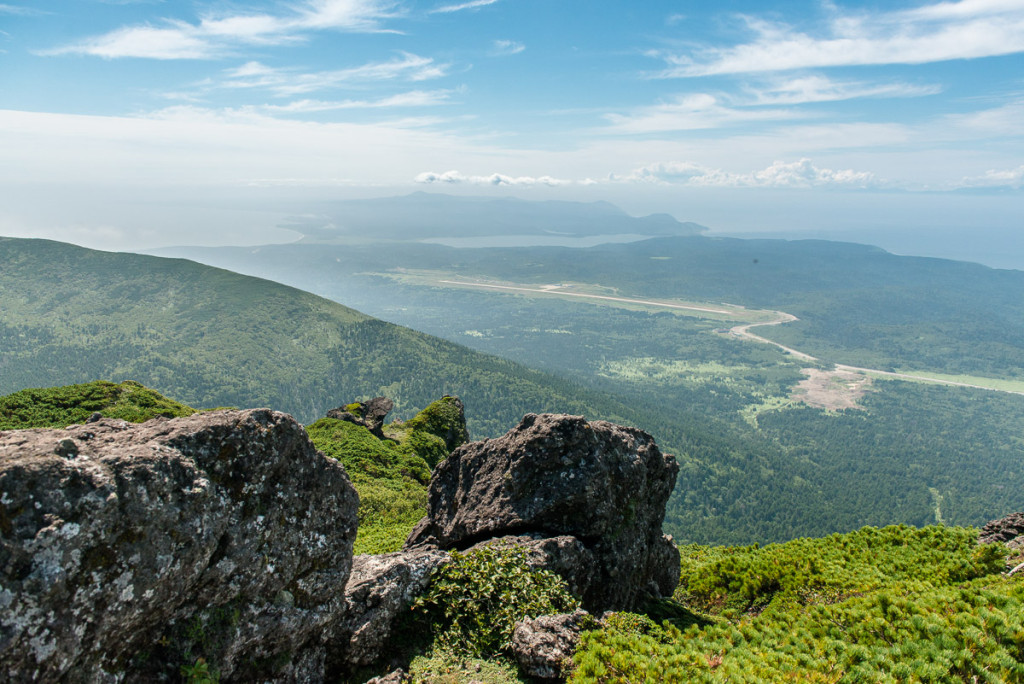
(832, 390)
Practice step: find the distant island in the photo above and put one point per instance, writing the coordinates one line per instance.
(423, 215)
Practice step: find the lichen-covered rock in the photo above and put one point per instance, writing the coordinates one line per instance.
(544, 646)
(128, 551)
(398, 676)
(380, 588)
(558, 475)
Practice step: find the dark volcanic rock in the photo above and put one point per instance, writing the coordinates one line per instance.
(128, 551)
(1002, 530)
(544, 646)
(557, 475)
(379, 589)
(1009, 530)
(370, 414)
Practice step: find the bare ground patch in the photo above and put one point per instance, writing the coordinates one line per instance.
(833, 390)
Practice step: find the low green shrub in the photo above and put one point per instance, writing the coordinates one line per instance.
(896, 604)
(474, 602)
(911, 632)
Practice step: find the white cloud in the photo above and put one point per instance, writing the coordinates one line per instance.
(799, 174)
(218, 35)
(213, 148)
(1004, 121)
(145, 41)
(286, 82)
(19, 10)
(932, 33)
(473, 4)
(495, 179)
(507, 47)
(690, 112)
(413, 98)
(1011, 178)
(816, 88)
(700, 111)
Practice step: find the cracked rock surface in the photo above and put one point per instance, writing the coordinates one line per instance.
(560, 476)
(128, 551)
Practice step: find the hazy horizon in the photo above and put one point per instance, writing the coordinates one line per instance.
(133, 124)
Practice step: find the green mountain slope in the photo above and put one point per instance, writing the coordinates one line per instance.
(209, 337)
(857, 304)
(757, 465)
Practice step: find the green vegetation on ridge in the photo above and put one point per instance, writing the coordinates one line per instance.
(391, 474)
(58, 407)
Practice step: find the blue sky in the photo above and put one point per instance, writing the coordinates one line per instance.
(124, 122)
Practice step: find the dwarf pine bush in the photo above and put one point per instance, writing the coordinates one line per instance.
(474, 602)
(896, 604)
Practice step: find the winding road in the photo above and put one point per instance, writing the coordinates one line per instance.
(742, 331)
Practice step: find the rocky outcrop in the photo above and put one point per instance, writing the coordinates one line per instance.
(370, 414)
(1008, 530)
(544, 646)
(379, 589)
(130, 551)
(552, 476)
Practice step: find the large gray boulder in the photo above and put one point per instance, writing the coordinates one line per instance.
(129, 551)
(561, 476)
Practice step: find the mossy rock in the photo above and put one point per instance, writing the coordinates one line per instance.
(444, 418)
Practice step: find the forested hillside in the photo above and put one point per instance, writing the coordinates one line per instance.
(857, 304)
(209, 337)
(758, 463)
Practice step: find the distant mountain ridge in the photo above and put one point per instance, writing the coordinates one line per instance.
(423, 215)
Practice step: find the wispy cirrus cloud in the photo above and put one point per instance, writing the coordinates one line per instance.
(799, 174)
(773, 99)
(495, 179)
(932, 33)
(458, 7)
(817, 88)
(289, 82)
(21, 10)
(506, 47)
(413, 98)
(688, 113)
(217, 35)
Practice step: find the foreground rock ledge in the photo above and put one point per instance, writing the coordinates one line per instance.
(600, 487)
(127, 551)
